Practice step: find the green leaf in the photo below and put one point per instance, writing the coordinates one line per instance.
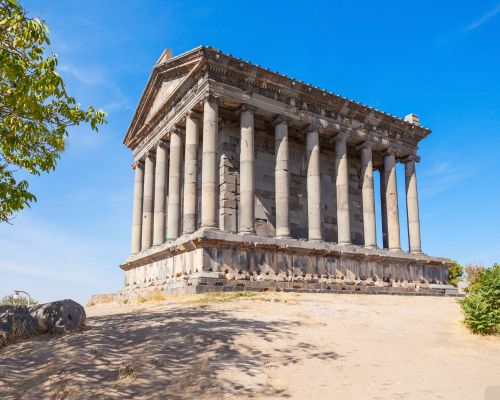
(35, 108)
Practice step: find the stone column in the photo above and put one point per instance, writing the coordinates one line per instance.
(368, 196)
(137, 210)
(313, 185)
(209, 184)
(247, 158)
(160, 194)
(342, 185)
(191, 172)
(391, 199)
(282, 190)
(174, 184)
(147, 206)
(412, 204)
(383, 209)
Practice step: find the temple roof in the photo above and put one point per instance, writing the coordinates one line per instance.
(182, 65)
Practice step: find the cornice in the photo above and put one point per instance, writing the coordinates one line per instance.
(313, 97)
(209, 64)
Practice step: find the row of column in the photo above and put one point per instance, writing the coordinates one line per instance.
(151, 176)
(151, 209)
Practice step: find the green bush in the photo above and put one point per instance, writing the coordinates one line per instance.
(12, 300)
(481, 307)
(455, 273)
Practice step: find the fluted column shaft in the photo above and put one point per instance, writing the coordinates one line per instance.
(247, 161)
(282, 190)
(174, 185)
(368, 196)
(160, 197)
(137, 210)
(313, 186)
(209, 181)
(147, 206)
(342, 186)
(412, 205)
(191, 172)
(383, 209)
(391, 199)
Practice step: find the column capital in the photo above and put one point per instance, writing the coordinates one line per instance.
(175, 129)
(314, 127)
(368, 143)
(340, 137)
(163, 143)
(411, 157)
(139, 163)
(211, 96)
(193, 114)
(280, 119)
(389, 152)
(247, 107)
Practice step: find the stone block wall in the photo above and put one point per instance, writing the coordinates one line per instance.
(224, 261)
(265, 211)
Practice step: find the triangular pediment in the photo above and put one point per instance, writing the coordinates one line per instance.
(167, 87)
(168, 75)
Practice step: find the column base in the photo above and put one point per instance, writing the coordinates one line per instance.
(208, 227)
(371, 247)
(247, 232)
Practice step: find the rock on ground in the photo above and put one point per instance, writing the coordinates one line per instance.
(16, 323)
(59, 316)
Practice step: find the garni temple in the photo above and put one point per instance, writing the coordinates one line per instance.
(246, 179)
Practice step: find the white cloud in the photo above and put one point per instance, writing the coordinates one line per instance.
(87, 77)
(476, 24)
(443, 175)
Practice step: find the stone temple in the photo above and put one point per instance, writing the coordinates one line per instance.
(246, 179)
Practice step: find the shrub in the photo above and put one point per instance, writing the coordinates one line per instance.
(473, 271)
(482, 305)
(12, 300)
(455, 273)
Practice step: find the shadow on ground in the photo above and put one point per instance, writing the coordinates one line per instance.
(179, 353)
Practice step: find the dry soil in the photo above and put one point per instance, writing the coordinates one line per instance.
(272, 345)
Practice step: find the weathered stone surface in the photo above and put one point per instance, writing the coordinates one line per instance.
(16, 323)
(59, 316)
(281, 163)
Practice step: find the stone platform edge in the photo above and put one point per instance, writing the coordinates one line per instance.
(224, 240)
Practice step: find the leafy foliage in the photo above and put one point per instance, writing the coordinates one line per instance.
(482, 305)
(12, 300)
(35, 109)
(455, 273)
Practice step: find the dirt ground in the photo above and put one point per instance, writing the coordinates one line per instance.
(273, 345)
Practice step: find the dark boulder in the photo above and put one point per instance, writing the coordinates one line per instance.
(59, 316)
(16, 323)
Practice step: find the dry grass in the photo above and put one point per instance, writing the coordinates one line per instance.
(154, 295)
(64, 390)
(128, 371)
(223, 297)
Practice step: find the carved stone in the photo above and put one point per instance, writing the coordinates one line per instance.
(276, 189)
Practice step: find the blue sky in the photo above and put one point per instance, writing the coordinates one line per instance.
(440, 60)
